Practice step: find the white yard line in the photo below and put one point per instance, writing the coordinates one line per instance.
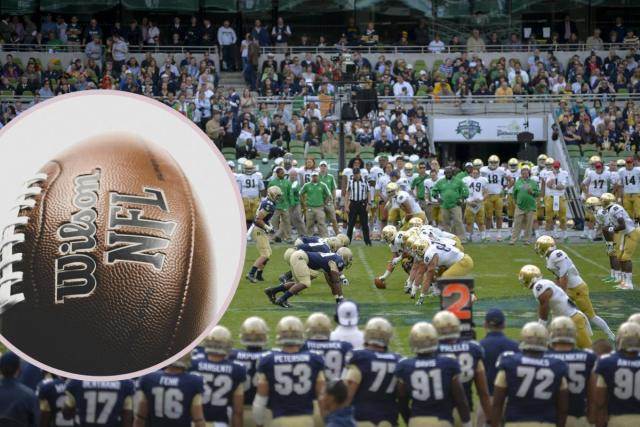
(584, 258)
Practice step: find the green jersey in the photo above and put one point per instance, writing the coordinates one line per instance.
(418, 183)
(450, 191)
(285, 186)
(316, 194)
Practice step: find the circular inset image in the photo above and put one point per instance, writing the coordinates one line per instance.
(116, 254)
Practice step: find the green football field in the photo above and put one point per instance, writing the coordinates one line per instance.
(496, 283)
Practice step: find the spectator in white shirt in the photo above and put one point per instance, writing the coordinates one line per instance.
(415, 126)
(436, 45)
(518, 71)
(119, 51)
(153, 34)
(560, 85)
(382, 128)
(94, 49)
(227, 40)
(402, 88)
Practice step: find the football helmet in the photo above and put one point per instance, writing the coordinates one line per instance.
(594, 159)
(513, 164)
(592, 203)
(477, 163)
(628, 337)
(248, 167)
(253, 332)
(420, 246)
(183, 362)
(334, 243)
(219, 341)
(607, 199)
(408, 233)
(542, 158)
(288, 253)
(317, 327)
(423, 338)
(344, 239)
(534, 337)
(562, 330)
(378, 331)
(289, 331)
(549, 162)
(274, 193)
(544, 244)
(529, 275)
(408, 166)
(346, 255)
(416, 222)
(389, 233)
(620, 163)
(447, 325)
(392, 189)
(411, 241)
(634, 318)
(494, 161)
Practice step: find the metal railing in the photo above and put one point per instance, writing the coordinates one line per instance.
(79, 48)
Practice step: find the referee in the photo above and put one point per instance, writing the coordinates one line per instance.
(356, 202)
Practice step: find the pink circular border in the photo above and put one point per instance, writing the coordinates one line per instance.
(242, 233)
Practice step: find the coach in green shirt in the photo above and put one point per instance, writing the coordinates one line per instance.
(417, 184)
(452, 193)
(281, 220)
(314, 195)
(525, 192)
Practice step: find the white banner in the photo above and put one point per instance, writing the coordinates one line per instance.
(486, 129)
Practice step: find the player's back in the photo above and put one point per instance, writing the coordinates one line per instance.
(375, 399)
(221, 381)
(580, 364)
(51, 394)
(621, 374)
(181, 389)
(323, 260)
(100, 403)
(532, 384)
(335, 354)
(314, 247)
(428, 382)
(249, 359)
(469, 355)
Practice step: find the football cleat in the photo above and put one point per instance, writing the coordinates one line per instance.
(607, 199)
(274, 193)
(253, 332)
(378, 331)
(592, 203)
(544, 244)
(420, 246)
(334, 243)
(513, 164)
(416, 222)
(447, 325)
(271, 295)
(477, 163)
(389, 234)
(219, 341)
(562, 330)
(344, 239)
(634, 318)
(317, 327)
(251, 278)
(420, 299)
(289, 331)
(346, 255)
(628, 337)
(392, 189)
(529, 275)
(534, 337)
(423, 338)
(248, 167)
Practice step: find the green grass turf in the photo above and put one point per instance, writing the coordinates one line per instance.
(495, 272)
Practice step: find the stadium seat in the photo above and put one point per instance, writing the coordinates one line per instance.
(229, 150)
(574, 150)
(436, 65)
(314, 152)
(296, 144)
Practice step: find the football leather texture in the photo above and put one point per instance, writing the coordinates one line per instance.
(117, 270)
(380, 284)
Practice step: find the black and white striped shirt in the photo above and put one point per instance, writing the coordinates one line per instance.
(358, 190)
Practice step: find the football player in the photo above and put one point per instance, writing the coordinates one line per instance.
(251, 186)
(429, 385)
(554, 184)
(469, 355)
(289, 379)
(625, 237)
(595, 184)
(569, 279)
(392, 237)
(493, 204)
(562, 337)
(259, 231)
(512, 173)
(104, 403)
(540, 165)
(302, 263)
(474, 210)
(370, 376)
(534, 386)
(437, 234)
(254, 337)
(51, 397)
(408, 204)
(602, 223)
(536, 172)
(313, 244)
(616, 377)
(552, 300)
(174, 385)
(629, 184)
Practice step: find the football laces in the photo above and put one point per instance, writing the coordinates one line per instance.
(12, 236)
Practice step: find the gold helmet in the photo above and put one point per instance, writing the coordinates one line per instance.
(593, 203)
(562, 330)
(317, 327)
(413, 238)
(423, 338)
(594, 159)
(408, 166)
(420, 246)
(634, 318)
(346, 255)
(513, 164)
(334, 243)
(542, 158)
(183, 362)
(620, 163)
(219, 341)
(447, 325)
(288, 253)
(248, 167)
(549, 161)
(544, 244)
(344, 239)
(389, 233)
(408, 233)
(529, 275)
(477, 163)
(392, 189)
(534, 337)
(628, 337)
(378, 331)
(274, 193)
(607, 199)
(494, 161)
(416, 222)
(253, 332)
(289, 331)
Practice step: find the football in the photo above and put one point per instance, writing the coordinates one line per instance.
(106, 267)
(380, 284)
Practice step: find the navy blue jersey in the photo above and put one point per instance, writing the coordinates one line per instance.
(268, 207)
(197, 353)
(375, 399)
(428, 383)
(533, 384)
(320, 261)
(221, 380)
(468, 354)
(314, 247)
(249, 359)
(334, 353)
(51, 395)
(100, 403)
(17, 402)
(494, 344)
(622, 376)
(292, 379)
(310, 239)
(579, 364)
(179, 389)
(30, 375)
